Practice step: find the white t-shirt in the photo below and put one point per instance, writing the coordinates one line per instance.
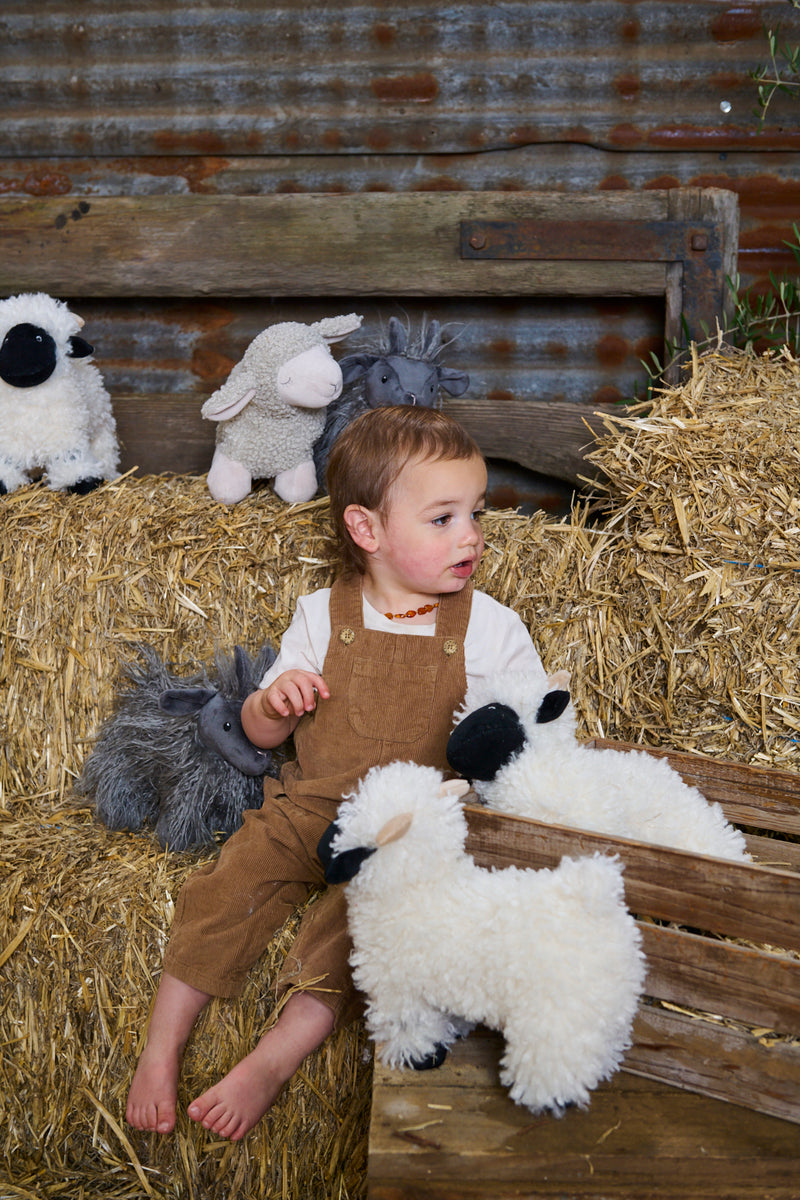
(496, 640)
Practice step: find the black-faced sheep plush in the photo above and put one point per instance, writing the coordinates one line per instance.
(55, 413)
(173, 753)
(516, 740)
(551, 958)
(395, 372)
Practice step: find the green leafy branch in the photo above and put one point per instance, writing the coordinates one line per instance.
(780, 74)
(760, 321)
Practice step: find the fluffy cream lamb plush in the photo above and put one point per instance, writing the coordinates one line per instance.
(551, 958)
(516, 740)
(271, 410)
(55, 413)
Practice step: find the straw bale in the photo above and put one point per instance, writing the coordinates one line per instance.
(678, 617)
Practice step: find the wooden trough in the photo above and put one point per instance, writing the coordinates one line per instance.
(721, 1020)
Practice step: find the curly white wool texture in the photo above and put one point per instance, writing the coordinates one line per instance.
(270, 435)
(559, 780)
(551, 958)
(63, 426)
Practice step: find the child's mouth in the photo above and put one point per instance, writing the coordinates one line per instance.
(464, 568)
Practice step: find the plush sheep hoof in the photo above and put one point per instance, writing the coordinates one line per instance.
(82, 487)
(431, 1061)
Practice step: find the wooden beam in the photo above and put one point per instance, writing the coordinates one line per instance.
(301, 245)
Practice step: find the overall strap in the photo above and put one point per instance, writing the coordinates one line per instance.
(345, 603)
(452, 618)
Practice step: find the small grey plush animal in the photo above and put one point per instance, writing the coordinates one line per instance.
(395, 372)
(173, 753)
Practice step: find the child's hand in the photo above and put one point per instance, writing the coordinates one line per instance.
(292, 694)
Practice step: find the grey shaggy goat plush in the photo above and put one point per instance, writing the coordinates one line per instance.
(173, 753)
(395, 371)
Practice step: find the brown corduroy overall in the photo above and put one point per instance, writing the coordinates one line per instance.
(392, 698)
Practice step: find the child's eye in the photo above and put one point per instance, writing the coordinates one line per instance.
(441, 521)
(476, 516)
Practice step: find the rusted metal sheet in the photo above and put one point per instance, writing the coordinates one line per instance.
(586, 351)
(261, 78)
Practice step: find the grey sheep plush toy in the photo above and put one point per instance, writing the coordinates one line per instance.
(173, 753)
(396, 371)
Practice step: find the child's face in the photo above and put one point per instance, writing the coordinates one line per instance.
(430, 538)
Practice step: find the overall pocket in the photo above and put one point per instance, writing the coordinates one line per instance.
(390, 701)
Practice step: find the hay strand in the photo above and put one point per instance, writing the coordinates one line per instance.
(678, 617)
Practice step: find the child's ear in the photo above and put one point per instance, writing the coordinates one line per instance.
(361, 524)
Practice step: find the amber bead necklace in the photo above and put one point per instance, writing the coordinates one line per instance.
(412, 612)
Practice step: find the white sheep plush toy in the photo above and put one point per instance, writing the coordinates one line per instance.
(271, 410)
(516, 740)
(55, 413)
(551, 958)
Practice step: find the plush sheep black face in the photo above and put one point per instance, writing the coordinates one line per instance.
(491, 736)
(28, 355)
(340, 868)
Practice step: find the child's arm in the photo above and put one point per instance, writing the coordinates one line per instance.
(271, 714)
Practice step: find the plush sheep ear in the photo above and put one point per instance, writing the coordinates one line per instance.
(552, 706)
(395, 828)
(212, 412)
(455, 383)
(398, 337)
(454, 787)
(244, 677)
(432, 343)
(353, 366)
(485, 741)
(333, 329)
(79, 347)
(179, 702)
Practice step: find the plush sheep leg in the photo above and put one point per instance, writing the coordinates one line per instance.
(154, 1090)
(238, 1102)
(420, 1043)
(297, 485)
(11, 476)
(228, 481)
(77, 470)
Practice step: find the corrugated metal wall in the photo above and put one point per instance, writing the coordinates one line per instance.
(255, 97)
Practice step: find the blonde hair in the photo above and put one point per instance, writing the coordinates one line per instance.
(370, 454)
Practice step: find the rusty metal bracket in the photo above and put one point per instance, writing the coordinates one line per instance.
(695, 246)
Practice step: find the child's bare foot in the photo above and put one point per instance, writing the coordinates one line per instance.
(238, 1102)
(154, 1090)
(153, 1094)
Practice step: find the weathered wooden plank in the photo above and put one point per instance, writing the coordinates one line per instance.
(401, 245)
(166, 433)
(546, 436)
(742, 983)
(717, 1059)
(737, 900)
(453, 1134)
